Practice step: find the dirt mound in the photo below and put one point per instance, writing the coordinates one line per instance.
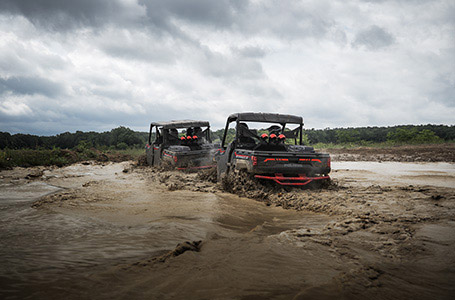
(142, 160)
(409, 153)
(207, 175)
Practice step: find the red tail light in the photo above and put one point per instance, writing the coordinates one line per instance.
(175, 158)
(255, 160)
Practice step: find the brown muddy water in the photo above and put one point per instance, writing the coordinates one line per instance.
(107, 232)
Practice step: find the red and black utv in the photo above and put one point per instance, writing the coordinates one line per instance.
(191, 148)
(276, 153)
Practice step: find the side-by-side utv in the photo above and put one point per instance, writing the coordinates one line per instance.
(191, 148)
(276, 154)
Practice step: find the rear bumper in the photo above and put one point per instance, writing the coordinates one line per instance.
(296, 180)
(290, 168)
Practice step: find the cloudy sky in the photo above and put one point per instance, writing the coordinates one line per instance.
(68, 65)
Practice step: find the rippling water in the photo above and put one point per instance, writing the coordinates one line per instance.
(40, 247)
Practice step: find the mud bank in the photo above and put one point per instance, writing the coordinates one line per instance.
(121, 231)
(409, 153)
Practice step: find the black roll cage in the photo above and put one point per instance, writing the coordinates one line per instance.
(178, 125)
(262, 118)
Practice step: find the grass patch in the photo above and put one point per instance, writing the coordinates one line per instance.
(10, 158)
(367, 144)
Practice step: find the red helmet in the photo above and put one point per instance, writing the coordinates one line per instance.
(264, 136)
(282, 137)
(182, 138)
(195, 137)
(273, 136)
(189, 137)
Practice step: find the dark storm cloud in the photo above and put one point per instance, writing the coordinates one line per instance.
(64, 14)
(68, 14)
(286, 19)
(250, 51)
(374, 38)
(218, 13)
(30, 86)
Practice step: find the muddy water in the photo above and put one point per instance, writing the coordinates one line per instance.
(57, 249)
(98, 232)
(398, 173)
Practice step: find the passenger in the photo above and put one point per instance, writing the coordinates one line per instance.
(264, 138)
(245, 134)
(197, 132)
(273, 139)
(173, 136)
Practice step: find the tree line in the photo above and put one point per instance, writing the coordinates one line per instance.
(118, 138)
(123, 137)
(411, 134)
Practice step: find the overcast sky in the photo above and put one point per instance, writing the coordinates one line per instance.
(68, 65)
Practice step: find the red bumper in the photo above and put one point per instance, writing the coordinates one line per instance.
(299, 180)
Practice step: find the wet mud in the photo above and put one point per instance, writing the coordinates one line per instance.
(408, 153)
(120, 231)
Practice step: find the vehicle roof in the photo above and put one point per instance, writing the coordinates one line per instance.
(265, 118)
(181, 124)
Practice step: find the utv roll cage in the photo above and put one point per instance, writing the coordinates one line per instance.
(178, 124)
(264, 118)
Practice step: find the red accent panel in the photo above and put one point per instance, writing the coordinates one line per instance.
(276, 159)
(241, 155)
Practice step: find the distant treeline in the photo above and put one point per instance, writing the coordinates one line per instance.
(123, 138)
(399, 134)
(412, 134)
(118, 138)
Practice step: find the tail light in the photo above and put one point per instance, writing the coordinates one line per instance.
(255, 160)
(328, 162)
(175, 158)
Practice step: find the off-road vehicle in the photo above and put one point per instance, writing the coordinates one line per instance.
(276, 154)
(189, 148)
